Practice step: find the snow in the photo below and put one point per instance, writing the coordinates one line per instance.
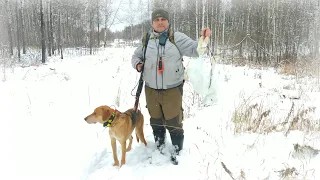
(44, 136)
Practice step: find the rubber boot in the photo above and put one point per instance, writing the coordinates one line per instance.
(159, 139)
(177, 142)
(159, 132)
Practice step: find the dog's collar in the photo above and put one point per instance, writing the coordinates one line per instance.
(108, 123)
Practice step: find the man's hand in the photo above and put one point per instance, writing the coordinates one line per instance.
(139, 67)
(206, 32)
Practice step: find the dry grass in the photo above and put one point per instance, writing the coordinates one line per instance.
(251, 118)
(304, 66)
(256, 118)
(304, 151)
(288, 68)
(288, 173)
(227, 170)
(302, 121)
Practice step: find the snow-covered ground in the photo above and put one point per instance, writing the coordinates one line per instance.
(44, 136)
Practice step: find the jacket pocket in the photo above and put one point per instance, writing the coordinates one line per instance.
(179, 70)
(148, 70)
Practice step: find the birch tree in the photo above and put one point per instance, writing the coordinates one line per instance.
(9, 26)
(43, 43)
(197, 21)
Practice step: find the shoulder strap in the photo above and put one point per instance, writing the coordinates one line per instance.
(171, 39)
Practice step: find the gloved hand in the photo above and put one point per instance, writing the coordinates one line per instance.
(206, 32)
(202, 45)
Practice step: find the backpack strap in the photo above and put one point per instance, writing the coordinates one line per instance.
(171, 39)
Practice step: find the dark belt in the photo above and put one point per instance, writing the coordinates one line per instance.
(166, 89)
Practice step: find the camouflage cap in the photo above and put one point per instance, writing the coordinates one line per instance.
(159, 13)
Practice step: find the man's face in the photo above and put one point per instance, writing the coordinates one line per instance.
(160, 24)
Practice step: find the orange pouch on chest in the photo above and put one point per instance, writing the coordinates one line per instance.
(160, 65)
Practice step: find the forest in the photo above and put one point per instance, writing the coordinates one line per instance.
(260, 32)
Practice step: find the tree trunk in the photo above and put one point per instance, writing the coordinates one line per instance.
(59, 36)
(106, 29)
(91, 30)
(189, 23)
(43, 41)
(51, 29)
(274, 49)
(22, 29)
(317, 33)
(98, 23)
(213, 35)
(9, 27)
(223, 27)
(203, 13)
(217, 25)
(49, 45)
(18, 32)
(207, 14)
(197, 26)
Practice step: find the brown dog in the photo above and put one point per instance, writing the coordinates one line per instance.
(121, 126)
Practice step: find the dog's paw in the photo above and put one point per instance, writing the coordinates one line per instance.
(122, 163)
(116, 163)
(128, 149)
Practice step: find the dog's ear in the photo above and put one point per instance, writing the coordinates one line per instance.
(106, 113)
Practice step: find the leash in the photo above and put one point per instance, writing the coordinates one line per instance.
(140, 85)
(136, 103)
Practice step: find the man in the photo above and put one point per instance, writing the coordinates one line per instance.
(163, 74)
